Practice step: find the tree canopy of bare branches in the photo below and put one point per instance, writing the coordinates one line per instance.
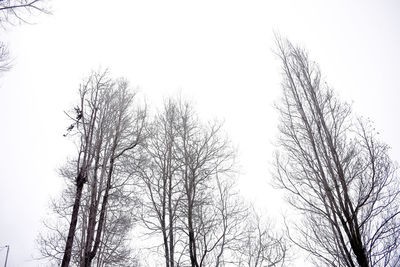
(335, 170)
(184, 171)
(189, 192)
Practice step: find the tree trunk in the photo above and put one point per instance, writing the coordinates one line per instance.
(171, 224)
(92, 210)
(80, 181)
(192, 241)
(165, 239)
(361, 256)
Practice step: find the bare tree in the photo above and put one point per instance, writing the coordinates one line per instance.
(335, 170)
(204, 155)
(161, 187)
(126, 132)
(108, 128)
(86, 124)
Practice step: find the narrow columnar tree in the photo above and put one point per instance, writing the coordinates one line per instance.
(335, 170)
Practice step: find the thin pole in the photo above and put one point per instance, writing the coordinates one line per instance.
(8, 248)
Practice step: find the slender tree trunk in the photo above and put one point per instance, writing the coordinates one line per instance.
(192, 240)
(81, 180)
(163, 217)
(171, 224)
(170, 136)
(165, 239)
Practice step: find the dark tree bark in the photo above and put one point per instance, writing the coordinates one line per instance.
(74, 218)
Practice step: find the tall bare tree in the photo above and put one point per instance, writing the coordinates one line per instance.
(125, 133)
(86, 124)
(108, 129)
(204, 155)
(160, 184)
(335, 170)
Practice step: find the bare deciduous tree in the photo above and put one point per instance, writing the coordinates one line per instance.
(86, 124)
(335, 170)
(108, 129)
(125, 131)
(204, 156)
(160, 184)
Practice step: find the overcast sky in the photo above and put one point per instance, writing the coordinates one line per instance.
(218, 54)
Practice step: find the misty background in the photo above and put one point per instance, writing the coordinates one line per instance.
(216, 54)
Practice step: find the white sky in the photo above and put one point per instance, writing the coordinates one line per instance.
(217, 53)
